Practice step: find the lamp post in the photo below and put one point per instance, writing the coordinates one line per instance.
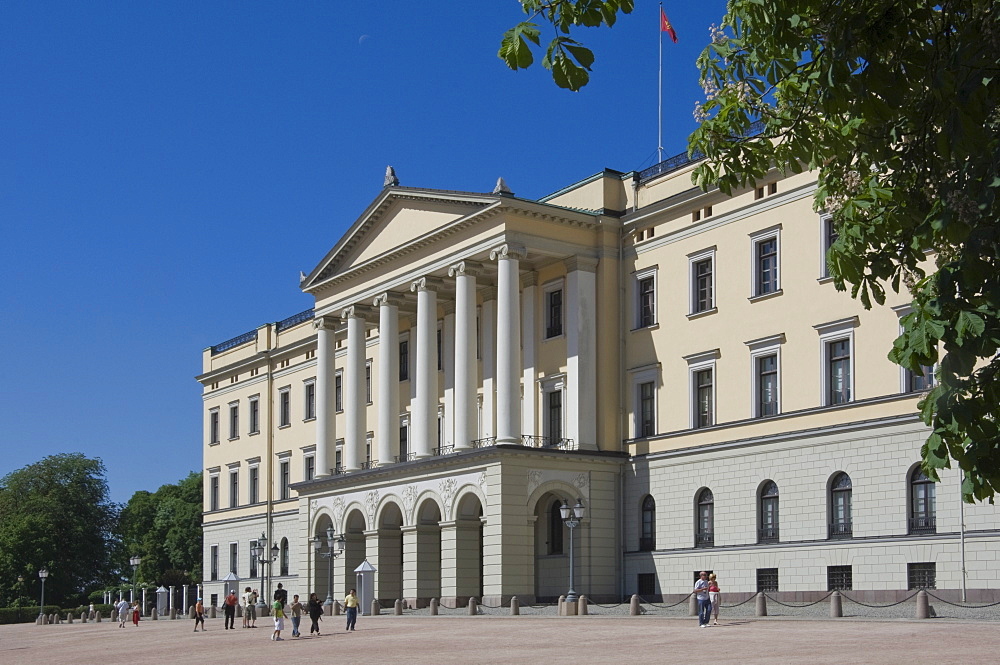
(260, 552)
(134, 562)
(571, 517)
(42, 574)
(334, 548)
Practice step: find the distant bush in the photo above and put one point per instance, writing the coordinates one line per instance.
(24, 614)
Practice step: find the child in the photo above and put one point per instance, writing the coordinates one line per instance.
(279, 621)
(714, 596)
(199, 616)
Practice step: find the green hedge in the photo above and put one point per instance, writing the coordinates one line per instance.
(24, 614)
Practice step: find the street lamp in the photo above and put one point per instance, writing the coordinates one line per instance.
(134, 561)
(334, 548)
(571, 517)
(42, 574)
(259, 552)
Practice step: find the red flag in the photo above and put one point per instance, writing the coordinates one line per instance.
(666, 27)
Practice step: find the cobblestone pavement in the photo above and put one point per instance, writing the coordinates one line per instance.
(498, 639)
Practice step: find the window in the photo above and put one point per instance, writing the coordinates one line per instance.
(767, 385)
(310, 389)
(921, 575)
(554, 416)
(704, 415)
(440, 349)
(339, 456)
(840, 506)
(644, 301)
(253, 559)
(213, 426)
(828, 236)
(404, 443)
(234, 420)
(555, 528)
(647, 407)
(767, 579)
(284, 407)
(919, 382)
(645, 584)
(368, 382)
(234, 488)
(767, 528)
(234, 557)
(765, 261)
(284, 556)
(310, 471)
(766, 190)
(839, 578)
(647, 527)
(214, 563)
(553, 313)
(703, 291)
(922, 503)
(369, 441)
(255, 415)
(838, 389)
(213, 492)
(705, 519)
(404, 360)
(338, 390)
(284, 479)
(254, 484)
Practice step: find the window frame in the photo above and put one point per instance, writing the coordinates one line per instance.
(638, 278)
(639, 377)
(757, 239)
(548, 290)
(309, 399)
(768, 531)
(309, 466)
(213, 562)
(556, 543)
(926, 570)
(549, 386)
(214, 426)
(368, 381)
(840, 578)
(254, 415)
(234, 558)
(759, 349)
(840, 528)
(827, 236)
(829, 334)
(234, 487)
(214, 491)
(284, 479)
(694, 260)
(253, 484)
(647, 524)
(338, 390)
(404, 357)
(234, 420)
(284, 407)
(697, 363)
(920, 487)
(704, 507)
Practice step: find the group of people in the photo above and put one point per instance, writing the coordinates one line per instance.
(281, 609)
(125, 612)
(708, 595)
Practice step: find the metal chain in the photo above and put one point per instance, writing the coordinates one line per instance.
(607, 607)
(665, 607)
(806, 605)
(878, 606)
(968, 607)
(492, 607)
(742, 602)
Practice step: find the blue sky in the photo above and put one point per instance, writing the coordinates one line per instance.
(167, 168)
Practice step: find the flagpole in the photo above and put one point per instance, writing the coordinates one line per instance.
(659, 107)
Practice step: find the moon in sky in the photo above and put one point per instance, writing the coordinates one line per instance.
(363, 38)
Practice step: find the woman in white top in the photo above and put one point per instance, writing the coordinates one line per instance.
(714, 595)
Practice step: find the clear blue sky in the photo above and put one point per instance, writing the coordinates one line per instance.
(167, 168)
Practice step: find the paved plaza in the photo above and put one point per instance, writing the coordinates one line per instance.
(491, 639)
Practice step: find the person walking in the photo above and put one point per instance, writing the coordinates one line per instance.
(351, 603)
(229, 607)
(704, 603)
(122, 608)
(248, 608)
(714, 596)
(281, 594)
(296, 608)
(135, 613)
(199, 616)
(315, 610)
(279, 621)
(254, 596)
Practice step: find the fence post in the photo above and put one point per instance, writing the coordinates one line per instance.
(633, 608)
(97, 617)
(397, 607)
(375, 608)
(581, 606)
(515, 606)
(561, 606)
(761, 604)
(836, 606)
(336, 609)
(155, 614)
(434, 607)
(69, 617)
(923, 611)
(83, 617)
(472, 607)
(693, 605)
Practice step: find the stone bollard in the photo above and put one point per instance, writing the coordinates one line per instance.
(561, 606)
(515, 606)
(923, 610)
(239, 611)
(54, 618)
(191, 612)
(375, 608)
(38, 620)
(156, 615)
(69, 617)
(473, 610)
(434, 607)
(836, 605)
(761, 605)
(693, 605)
(93, 615)
(173, 613)
(212, 612)
(397, 607)
(581, 606)
(83, 617)
(336, 609)
(97, 617)
(633, 606)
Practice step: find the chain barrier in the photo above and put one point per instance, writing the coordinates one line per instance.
(806, 605)
(491, 607)
(440, 604)
(666, 607)
(967, 607)
(742, 602)
(607, 607)
(846, 597)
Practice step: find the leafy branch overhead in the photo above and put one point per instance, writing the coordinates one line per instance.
(567, 59)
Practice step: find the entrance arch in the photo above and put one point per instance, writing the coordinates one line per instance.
(389, 554)
(462, 543)
(551, 548)
(355, 551)
(422, 555)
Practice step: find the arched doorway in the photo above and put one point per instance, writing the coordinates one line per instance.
(324, 567)
(551, 549)
(389, 564)
(467, 567)
(422, 552)
(355, 551)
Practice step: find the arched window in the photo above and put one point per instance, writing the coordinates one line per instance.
(555, 528)
(647, 525)
(705, 532)
(840, 506)
(922, 508)
(767, 528)
(284, 556)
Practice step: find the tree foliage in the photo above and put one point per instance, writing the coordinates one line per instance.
(895, 105)
(567, 59)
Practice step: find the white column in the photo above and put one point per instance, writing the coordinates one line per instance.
(184, 595)
(425, 405)
(488, 356)
(355, 404)
(581, 351)
(466, 377)
(508, 343)
(529, 408)
(326, 410)
(387, 435)
(448, 366)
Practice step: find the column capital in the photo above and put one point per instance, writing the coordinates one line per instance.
(363, 312)
(389, 298)
(470, 268)
(529, 279)
(508, 250)
(585, 263)
(427, 283)
(325, 323)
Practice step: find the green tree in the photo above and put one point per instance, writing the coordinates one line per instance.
(55, 514)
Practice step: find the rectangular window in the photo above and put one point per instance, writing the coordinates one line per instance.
(234, 489)
(440, 350)
(339, 459)
(647, 302)
(253, 559)
(285, 407)
(338, 391)
(917, 383)
(767, 266)
(254, 484)
(310, 467)
(254, 415)
(839, 578)
(828, 237)
(554, 413)
(234, 421)
(214, 562)
(310, 413)
(213, 426)
(767, 385)
(213, 493)
(553, 313)
(645, 584)
(647, 407)
(767, 580)
(368, 382)
(404, 360)
(702, 284)
(285, 480)
(704, 409)
(368, 448)
(234, 557)
(921, 575)
(404, 443)
(839, 371)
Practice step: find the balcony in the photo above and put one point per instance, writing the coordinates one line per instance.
(923, 524)
(704, 539)
(443, 450)
(532, 441)
(841, 530)
(767, 534)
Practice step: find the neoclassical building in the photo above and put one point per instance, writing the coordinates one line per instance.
(678, 361)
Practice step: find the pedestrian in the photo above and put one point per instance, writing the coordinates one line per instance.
(296, 608)
(253, 611)
(90, 612)
(121, 607)
(248, 608)
(315, 610)
(714, 596)
(229, 607)
(704, 603)
(351, 603)
(199, 616)
(135, 613)
(281, 594)
(279, 621)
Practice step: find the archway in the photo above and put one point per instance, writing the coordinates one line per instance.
(422, 555)
(355, 550)
(551, 549)
(389, 564)
(467, 566)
